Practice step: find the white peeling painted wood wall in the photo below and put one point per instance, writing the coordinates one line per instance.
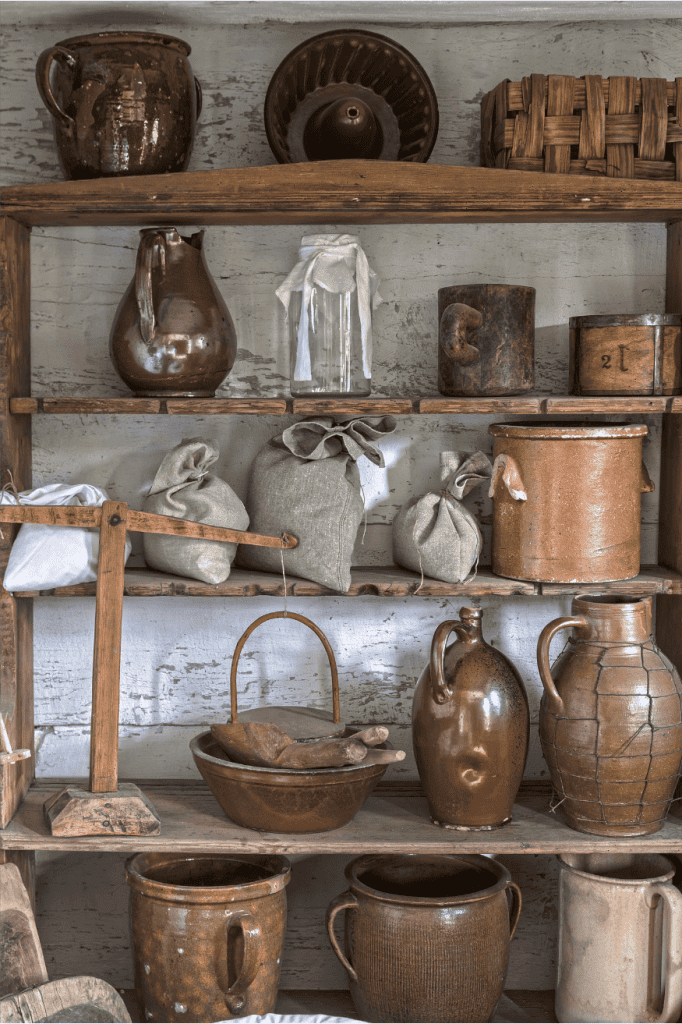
(176, 654)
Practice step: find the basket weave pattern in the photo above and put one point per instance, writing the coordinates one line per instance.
(621, 127)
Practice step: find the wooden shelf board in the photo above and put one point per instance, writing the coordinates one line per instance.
(524, 405)
(191, 819)
(344, 191)
(389, 581)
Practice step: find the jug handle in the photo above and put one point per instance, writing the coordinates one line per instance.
(672, 1000)
(515, 908)
(235, 997)
(143, 282)
(199, 95)
(346, 901)
(647, 483)
(507, 468)
(454, 322)
(43, 81)
(556, 703)
(440, 690)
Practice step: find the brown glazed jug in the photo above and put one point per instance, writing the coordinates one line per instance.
(207, 932)
(611, 718)
(172, 335)
(426, 937)
(123, 103)
(470, 725)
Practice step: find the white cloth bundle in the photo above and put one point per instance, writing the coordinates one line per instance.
(336, 263)
(44, 557)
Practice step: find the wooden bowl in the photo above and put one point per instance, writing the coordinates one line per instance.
(284, 799)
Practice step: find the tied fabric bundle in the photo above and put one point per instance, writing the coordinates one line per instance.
(336, 263)
(436, 535)
(184, 488)
(305, 481)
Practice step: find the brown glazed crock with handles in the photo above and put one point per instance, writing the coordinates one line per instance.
(486, 339)
(207, 933)
(426, 936)
(470, 727)
(610, 717)
(123, 103)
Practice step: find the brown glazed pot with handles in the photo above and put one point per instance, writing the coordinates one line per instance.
(426, 936)
(172, 335)
(123, 103)
(207, 933)
(470, 726)
(486, 339)
(611, 718)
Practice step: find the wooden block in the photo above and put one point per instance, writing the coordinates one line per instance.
(125, 812)
(22, 964)
(69, 999)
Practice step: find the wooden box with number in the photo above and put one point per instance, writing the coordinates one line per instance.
(626, 354)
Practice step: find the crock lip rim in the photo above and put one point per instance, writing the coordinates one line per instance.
(125, 35)
(290, 772)
(173, 893)
(574, 431)
(429, 901)
(667, 877)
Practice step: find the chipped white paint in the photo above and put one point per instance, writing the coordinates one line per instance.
(176, 653)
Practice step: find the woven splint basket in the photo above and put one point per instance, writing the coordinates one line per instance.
(620, 127)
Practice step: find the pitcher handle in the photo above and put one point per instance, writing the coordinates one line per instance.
(553, 627)
(149, 243)
(506, 468)
(515, 907)
(235, 997)
(199, 95)
(647, 485)
(346, 901)
(43, 67)
(440, 690)
(672, 1001)
(454, 322)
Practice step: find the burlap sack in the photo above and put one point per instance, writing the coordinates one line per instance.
(305, 481)
(435, 534)
(184, 488)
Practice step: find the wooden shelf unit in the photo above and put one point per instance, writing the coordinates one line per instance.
(352, 192)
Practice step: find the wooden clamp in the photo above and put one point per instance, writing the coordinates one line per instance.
(108, 808)
(7, 755)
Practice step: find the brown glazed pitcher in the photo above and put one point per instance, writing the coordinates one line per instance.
(470, 725)
(123, 103)
(611, 718)
(486, 339)
(172, 335)
(426, 937)
(207, 932)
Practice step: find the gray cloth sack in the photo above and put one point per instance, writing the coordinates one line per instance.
(435, 534)
(184, 488)
(305, 481)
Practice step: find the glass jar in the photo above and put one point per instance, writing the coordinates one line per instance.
(329, 296)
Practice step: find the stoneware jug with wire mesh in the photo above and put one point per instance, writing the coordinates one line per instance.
(611, 718)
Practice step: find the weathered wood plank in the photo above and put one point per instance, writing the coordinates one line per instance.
(83, 996)
(512, 405)
(354, 406)
(347, 191)
(21, 957)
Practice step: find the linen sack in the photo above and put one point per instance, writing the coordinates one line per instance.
(44, 557)
(184, 488)
(305, 481)
(436, 535)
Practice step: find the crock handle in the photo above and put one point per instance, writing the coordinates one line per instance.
(199, 95)
(515, 908)
(647, 483)
(346, 901)
(235, 997)
(553, 627)
(143, 282)
(43, 67)
(506, 468)
(452, 332)
(672, 1001)
(440, 691)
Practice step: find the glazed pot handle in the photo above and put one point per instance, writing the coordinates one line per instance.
(452, 333)
(515, 908)
(647, 483)
(199, 95)
(506, 469)
(149, 246)
(43, 67)
(440, 691)
(235, 997)
(346, 901)
(672, 1001)
(548, 633)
